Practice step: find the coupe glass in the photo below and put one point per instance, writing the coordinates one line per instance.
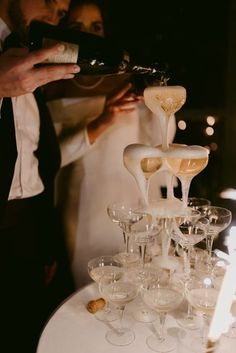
(198, 202)
(105, 266)
(187, 234)
(142, 162)
(167, 224)
(163, 296)
(164, 101)
(164, 260)
(125, 215)
(202, 293)
(140, 311)
(185, 162)
(119, 292)
(195, 203)
(219, 219)
(144, 232)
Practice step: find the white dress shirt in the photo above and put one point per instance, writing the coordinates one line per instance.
(26, 180)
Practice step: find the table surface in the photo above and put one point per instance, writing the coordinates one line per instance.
(72, 329)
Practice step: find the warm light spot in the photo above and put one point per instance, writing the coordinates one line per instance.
(213, 146)
(209, 131)
(182, 125)
(229, 193)
(210, 120)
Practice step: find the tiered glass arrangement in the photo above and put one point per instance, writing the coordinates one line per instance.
(187, 221)
(183, 161)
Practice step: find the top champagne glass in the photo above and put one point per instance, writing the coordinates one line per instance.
(164, 101)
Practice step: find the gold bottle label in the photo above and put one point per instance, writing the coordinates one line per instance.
(68, 55)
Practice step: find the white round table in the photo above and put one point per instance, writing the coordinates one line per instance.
(72, 329)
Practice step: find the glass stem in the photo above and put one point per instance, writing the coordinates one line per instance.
(205, 329)
(187, 256)
(127, 243)
(143, 248)
(170, 187)
(124, 237)
(162, 318)
(165, 244)
(121, 309)
(209, 245)
(164, 125)
(185, 185)
(187, 260)
(126, 234)
(189, 311)
(147, 190)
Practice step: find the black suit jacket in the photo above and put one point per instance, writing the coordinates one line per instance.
(48, 154)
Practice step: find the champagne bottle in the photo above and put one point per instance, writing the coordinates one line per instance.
(95, 55)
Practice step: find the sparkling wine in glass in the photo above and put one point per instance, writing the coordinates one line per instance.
(164, 296)
(186, 162)
(202, 293)
(107, 267)
(119, 292)
(140, 311)
(142, 162)
(164, 101)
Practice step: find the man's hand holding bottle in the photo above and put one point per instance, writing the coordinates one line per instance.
(19, 75)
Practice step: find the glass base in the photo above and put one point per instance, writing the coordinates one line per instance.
(120, 337)
(168, 344)
(107, 315)
(144, 314)
(189, 322)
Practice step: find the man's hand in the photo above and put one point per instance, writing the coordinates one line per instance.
(18, 74)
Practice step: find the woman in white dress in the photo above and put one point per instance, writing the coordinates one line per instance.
(94, 129)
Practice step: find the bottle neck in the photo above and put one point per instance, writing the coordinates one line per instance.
(153, 73)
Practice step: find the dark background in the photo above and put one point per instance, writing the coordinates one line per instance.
(198, 41)
(191, 36)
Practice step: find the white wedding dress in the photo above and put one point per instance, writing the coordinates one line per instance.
(95, 176)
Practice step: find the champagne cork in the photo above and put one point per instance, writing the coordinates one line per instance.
(211, 345)
(94, 305)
